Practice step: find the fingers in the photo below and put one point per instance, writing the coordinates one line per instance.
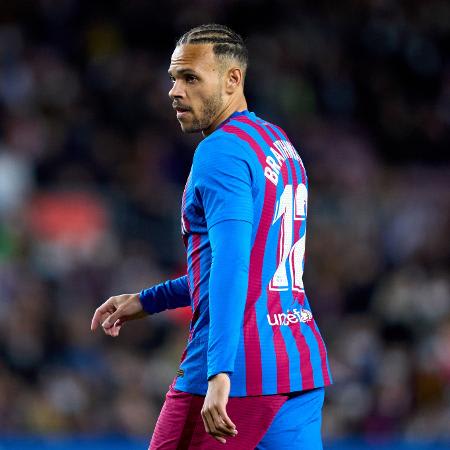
(114, 330)
(226, 420)
(102, 313)
(210, 427)
(112, 319)
(217, 423)
(108, 316)
(220, 426)
(112, 314)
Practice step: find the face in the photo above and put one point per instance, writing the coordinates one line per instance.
(196, 94)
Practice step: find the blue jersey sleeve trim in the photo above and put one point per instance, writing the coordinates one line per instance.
(230, 247)
(168, 295)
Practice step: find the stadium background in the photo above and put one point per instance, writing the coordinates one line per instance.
(92, 166)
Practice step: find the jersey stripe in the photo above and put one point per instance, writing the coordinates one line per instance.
(280, 132)
(195, 270)
(188, 243)
(296, 355)
(185, 224)
(306, 368)
(322, 351)
(193, 263)
(258, 128)
(196, 239)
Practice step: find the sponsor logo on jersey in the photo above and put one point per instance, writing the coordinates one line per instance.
(290, 317)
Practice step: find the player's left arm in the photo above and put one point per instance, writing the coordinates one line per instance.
(223, 181)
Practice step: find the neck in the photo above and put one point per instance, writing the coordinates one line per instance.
(238, 105)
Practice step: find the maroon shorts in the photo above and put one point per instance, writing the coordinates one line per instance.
(180, 425)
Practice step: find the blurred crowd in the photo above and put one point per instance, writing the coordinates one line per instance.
(93, 164)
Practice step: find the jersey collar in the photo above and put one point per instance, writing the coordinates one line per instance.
(245, 112)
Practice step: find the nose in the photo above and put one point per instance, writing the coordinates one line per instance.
(176, 91)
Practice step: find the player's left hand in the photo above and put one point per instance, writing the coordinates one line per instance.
(214, 414)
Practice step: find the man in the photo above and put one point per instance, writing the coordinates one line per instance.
(255, 366)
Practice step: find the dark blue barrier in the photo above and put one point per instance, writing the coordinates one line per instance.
(359, 444)
(121, 443)
(72, 443)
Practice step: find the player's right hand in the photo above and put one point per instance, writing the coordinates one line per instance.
(117, 310)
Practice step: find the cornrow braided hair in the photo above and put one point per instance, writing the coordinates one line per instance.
(226, 42)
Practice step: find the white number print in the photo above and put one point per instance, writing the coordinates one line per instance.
(290, 208)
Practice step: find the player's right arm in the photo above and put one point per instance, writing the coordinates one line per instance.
(117, 310)
(168, 295)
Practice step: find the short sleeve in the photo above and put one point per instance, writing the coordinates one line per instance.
(222, 179)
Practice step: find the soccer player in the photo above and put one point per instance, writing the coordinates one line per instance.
(255, 366)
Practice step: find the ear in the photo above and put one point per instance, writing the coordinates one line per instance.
(233, 80)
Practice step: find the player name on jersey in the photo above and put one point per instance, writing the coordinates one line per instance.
(282, 151)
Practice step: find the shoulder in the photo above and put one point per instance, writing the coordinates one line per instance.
(254, 131)
(219, 141)
(221, 147)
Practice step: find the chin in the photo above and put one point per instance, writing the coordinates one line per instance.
(189, 128)
(185, 129)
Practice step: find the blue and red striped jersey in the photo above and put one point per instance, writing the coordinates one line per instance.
(248, 171)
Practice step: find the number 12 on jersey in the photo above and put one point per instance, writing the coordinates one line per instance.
(289, 209)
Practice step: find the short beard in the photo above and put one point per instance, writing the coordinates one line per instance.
(208, 113)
